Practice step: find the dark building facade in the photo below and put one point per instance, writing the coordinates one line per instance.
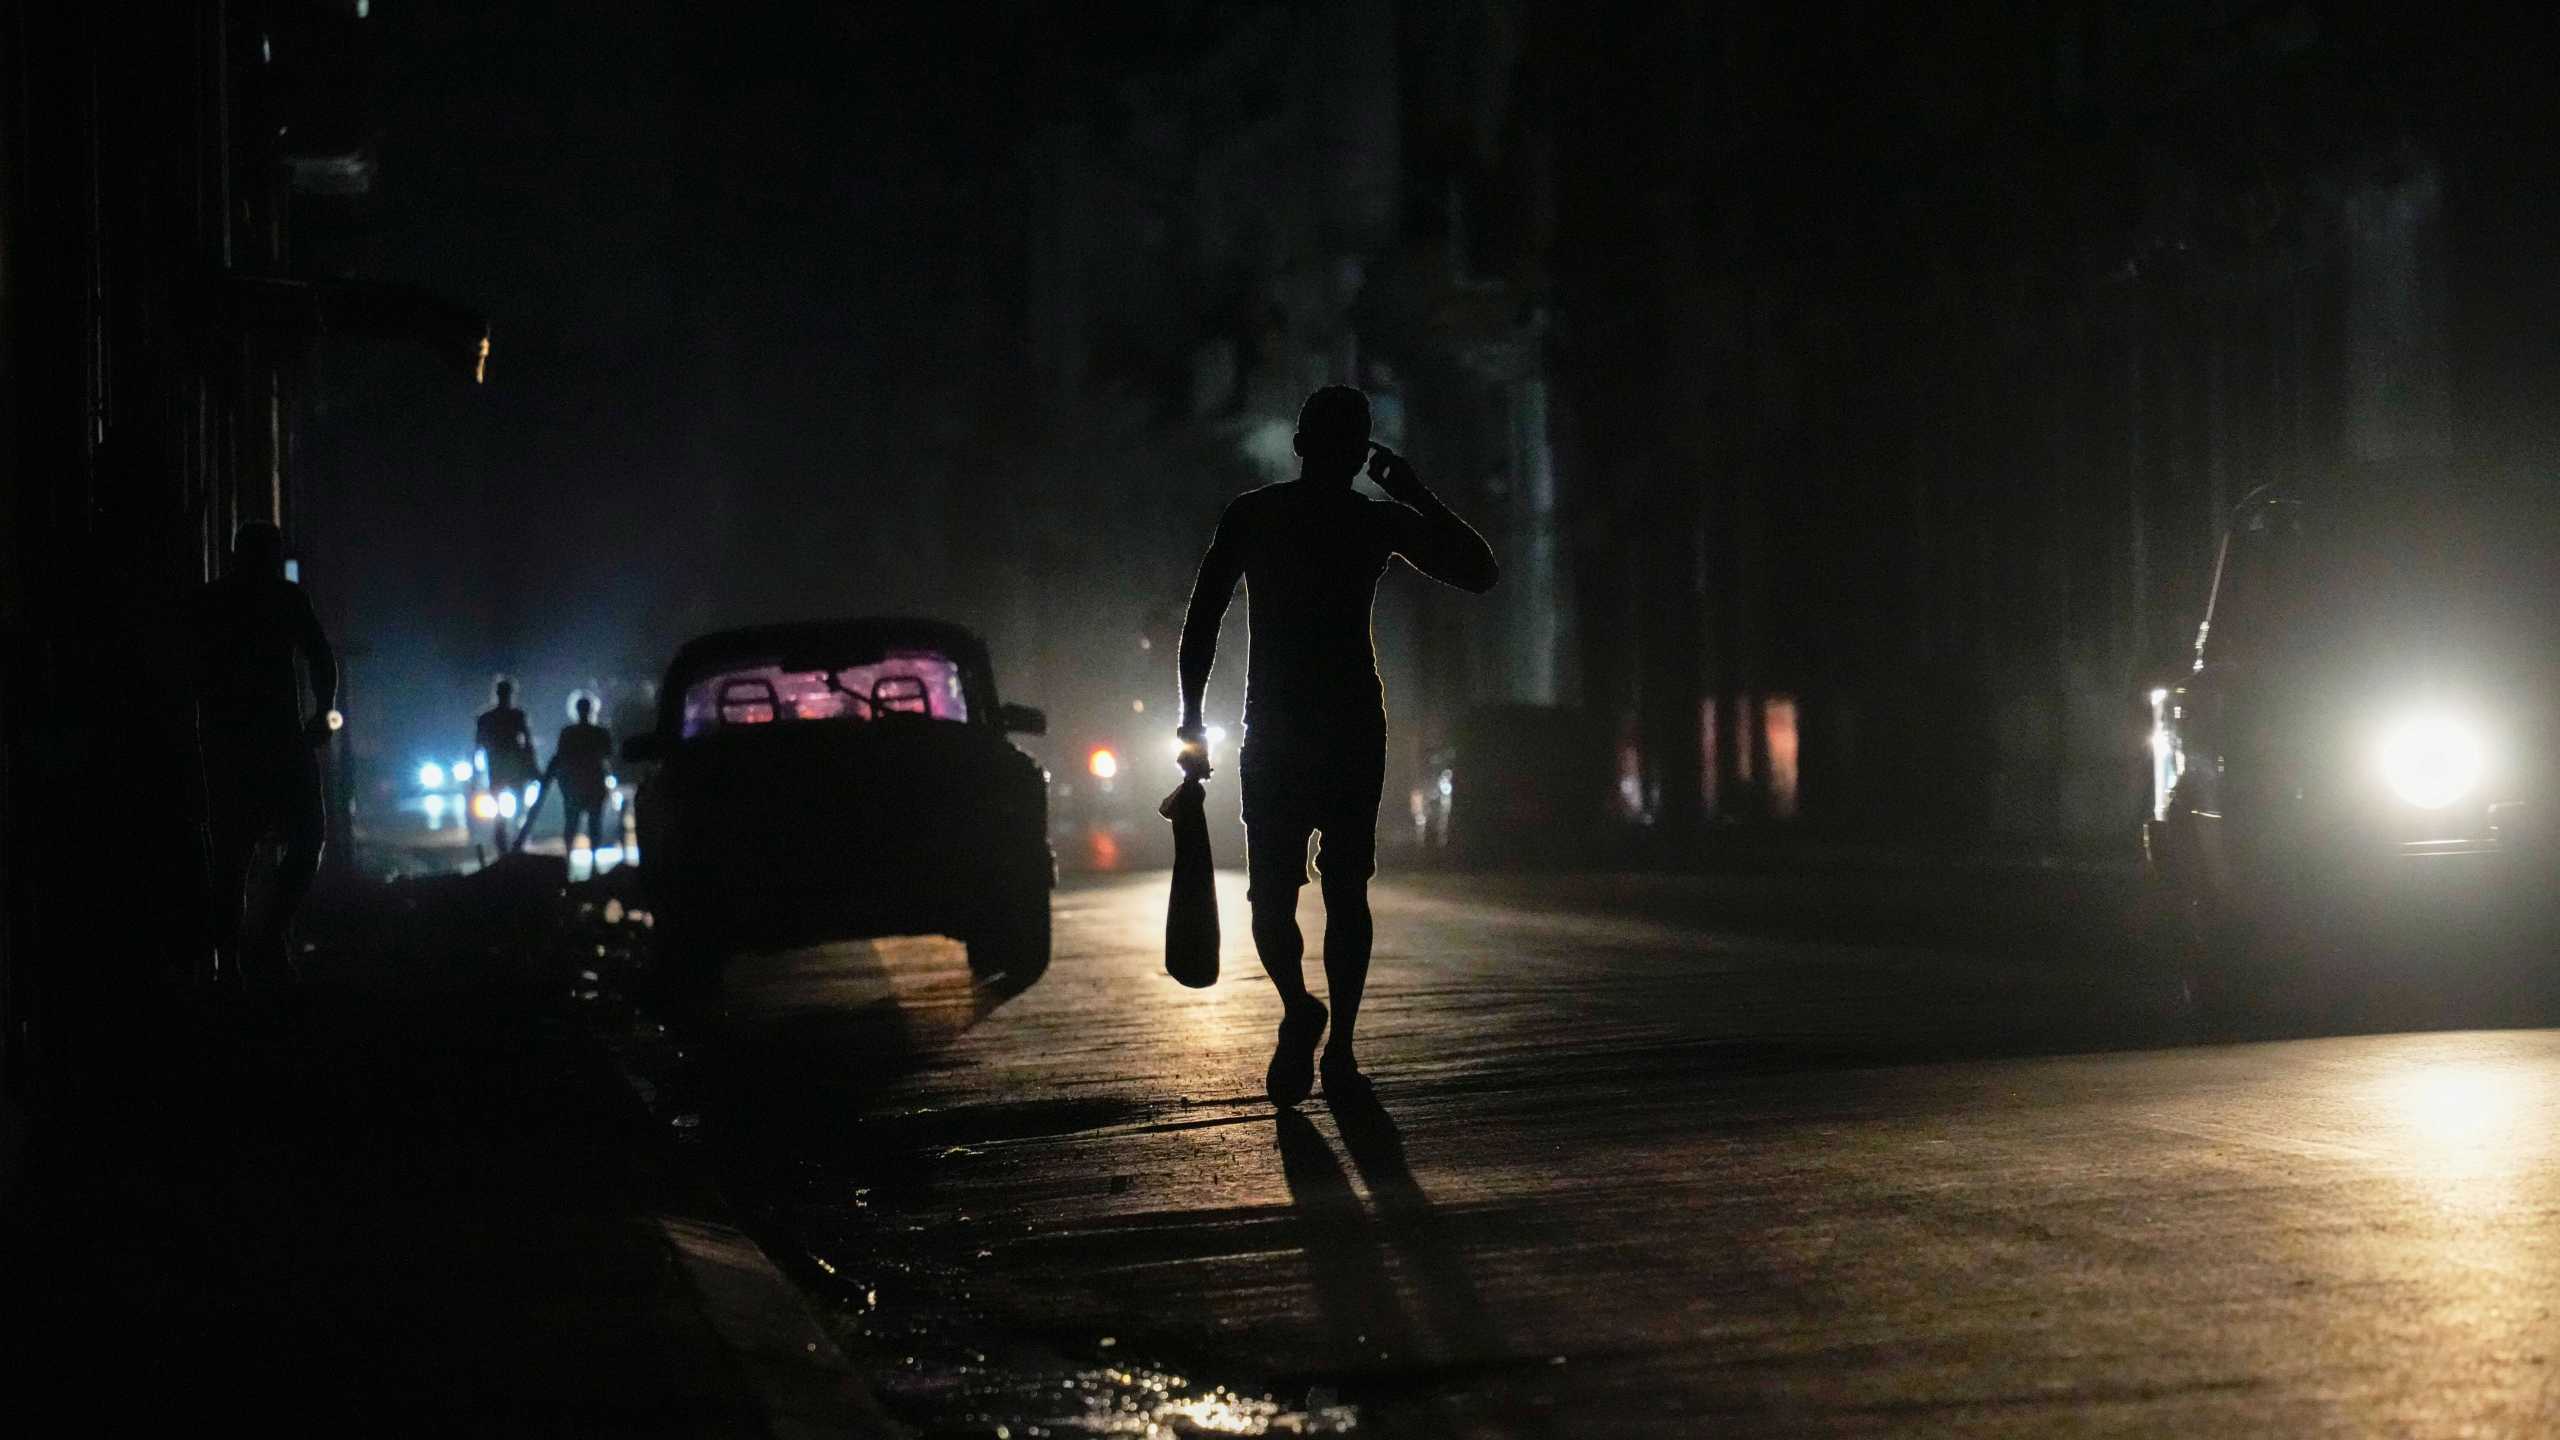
(1911, 358)
(1852, 394)
(159, 295)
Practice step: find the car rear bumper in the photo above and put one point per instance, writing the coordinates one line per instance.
(802, 895)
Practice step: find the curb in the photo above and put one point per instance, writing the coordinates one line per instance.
(800, 1380)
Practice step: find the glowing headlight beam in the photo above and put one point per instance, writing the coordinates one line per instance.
(2431, 761)
(431, 776)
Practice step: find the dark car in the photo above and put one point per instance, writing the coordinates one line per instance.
(2361, 746)
(839, 779)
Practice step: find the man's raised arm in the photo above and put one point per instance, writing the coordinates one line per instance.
(1211, 592)
(1428, 534)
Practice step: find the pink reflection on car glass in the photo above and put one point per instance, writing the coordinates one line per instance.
(902, 683)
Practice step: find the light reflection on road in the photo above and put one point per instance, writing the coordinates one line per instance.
(1641, 1169)
(2467, 1119)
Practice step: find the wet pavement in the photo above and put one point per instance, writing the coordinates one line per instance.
(1636, 1174)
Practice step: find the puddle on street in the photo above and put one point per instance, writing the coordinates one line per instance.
(942, 1358)
(910, 1317)
(1108, 1401)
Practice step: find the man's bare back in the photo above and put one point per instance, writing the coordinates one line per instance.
(1310, 552)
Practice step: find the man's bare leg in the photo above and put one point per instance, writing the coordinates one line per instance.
(1347, 936)
(1277, 941)
(1282, 949)
(230, 917)
(296, 869)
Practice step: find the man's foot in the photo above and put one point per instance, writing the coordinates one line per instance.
(1344, 1086)
(1292, 1076)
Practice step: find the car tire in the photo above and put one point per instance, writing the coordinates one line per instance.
(1011, 948)
(2251, 980)
(2164, 942)
(2230, 997)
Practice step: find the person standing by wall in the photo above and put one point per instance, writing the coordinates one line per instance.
(259, 639)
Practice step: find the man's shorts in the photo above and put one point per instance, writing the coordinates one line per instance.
(270, 790)
(1300, 784)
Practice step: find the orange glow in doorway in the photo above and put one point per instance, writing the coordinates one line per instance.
(1778, 731)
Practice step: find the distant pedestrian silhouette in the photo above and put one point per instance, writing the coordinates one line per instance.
(505, 740)
(1310, 552)
(580, 763)
(258, 639)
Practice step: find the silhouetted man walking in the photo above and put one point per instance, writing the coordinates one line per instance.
(505, 739)
(579, 765)
(1310, 552)
(261, 750)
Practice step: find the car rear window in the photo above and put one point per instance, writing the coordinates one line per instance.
(904, 682)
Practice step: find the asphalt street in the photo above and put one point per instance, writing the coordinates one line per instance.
(1635, 1174)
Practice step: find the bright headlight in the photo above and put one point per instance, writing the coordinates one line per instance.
(431, 776)
(2431, 760)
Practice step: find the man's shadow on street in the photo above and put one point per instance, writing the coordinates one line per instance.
(1355, 1251)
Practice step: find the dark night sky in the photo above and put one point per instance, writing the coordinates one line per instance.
(731, 262)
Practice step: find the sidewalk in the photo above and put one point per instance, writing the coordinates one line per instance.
(408, 1195)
